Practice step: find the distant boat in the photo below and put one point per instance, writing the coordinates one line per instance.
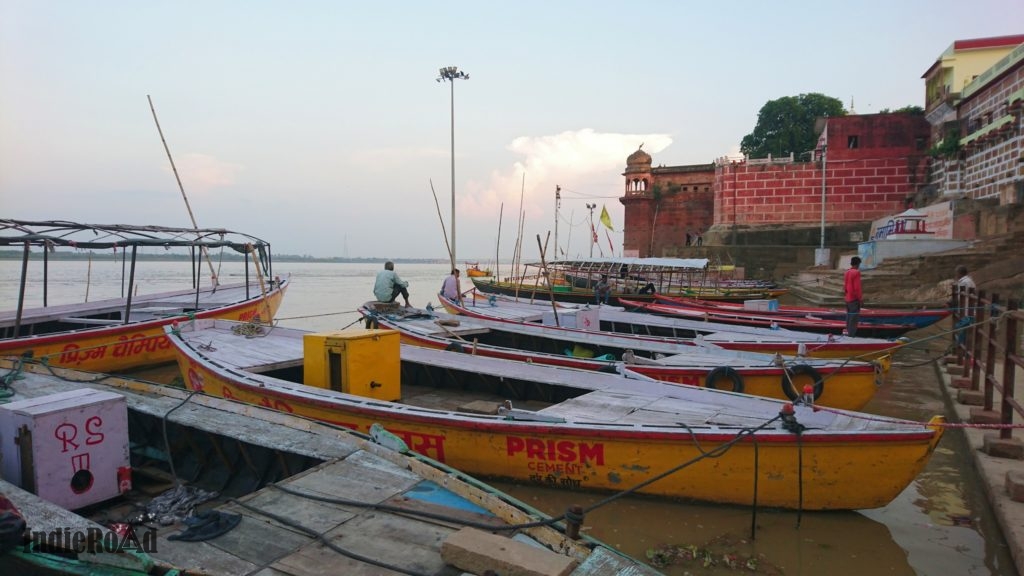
(565, 428)
(634, 278)
(767, 319)
(277, 491)
(693, 331)
(123, 333)
(917, 317)
(473, 270)
(846, 384)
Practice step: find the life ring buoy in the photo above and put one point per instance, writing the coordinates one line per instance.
(455, 347)
(724, 373)
(789, 386)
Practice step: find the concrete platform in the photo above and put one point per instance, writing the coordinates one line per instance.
(1001, 477)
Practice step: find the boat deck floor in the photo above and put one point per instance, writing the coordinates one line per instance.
(280, 532)
(605, 399)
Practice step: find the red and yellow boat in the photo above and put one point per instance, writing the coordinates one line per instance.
(124, 333)
(576, 430)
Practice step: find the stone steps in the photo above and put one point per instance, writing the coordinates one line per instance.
(915, 280)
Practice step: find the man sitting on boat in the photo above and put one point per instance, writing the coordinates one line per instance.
(451, 288)
(388, 285)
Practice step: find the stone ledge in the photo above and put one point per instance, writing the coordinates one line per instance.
(1015, 485)
(997, 447)
(970, 397)
(980, 416)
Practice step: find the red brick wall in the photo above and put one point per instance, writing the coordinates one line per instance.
(855, 191)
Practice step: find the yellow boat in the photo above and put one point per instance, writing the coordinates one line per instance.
(728, 336)
(117, 334)
(572, 429)
(473, 270)
(845, 384)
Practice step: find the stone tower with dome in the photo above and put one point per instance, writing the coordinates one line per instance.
(663, 204)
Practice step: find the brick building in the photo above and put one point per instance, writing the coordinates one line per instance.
(664, 203)
(973, 102)
(874, 164)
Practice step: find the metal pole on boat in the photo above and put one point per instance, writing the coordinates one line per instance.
(21, 289)
(131, 285)
(451, 74)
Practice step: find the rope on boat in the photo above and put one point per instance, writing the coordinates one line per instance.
(325, 541)
(321, 315)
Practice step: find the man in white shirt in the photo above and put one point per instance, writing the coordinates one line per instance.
(451, 289)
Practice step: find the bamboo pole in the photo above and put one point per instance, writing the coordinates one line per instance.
(451, 257)
(206, 253)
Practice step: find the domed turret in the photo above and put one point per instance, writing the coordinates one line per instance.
(639, 160)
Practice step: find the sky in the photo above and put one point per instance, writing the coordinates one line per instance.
(319, 126)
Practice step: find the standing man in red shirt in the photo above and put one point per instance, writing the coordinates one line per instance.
(854, 296)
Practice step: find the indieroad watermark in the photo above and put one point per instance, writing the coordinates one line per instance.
(94, 540)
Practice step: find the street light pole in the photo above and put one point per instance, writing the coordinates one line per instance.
(591, 208)
(450, 74)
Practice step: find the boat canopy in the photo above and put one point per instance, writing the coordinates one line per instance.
(55, 233)
(684, 263)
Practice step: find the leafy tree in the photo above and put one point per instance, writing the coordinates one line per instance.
(911, 109)
(786, 125)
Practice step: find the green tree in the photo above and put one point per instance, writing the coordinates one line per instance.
(911, 109)
(786, 125)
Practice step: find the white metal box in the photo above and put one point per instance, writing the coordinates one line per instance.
(580, 318)
(761, 305)
(70, 448)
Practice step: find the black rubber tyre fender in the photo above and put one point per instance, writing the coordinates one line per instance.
(455, 347)
(789, 387)
(726, 373)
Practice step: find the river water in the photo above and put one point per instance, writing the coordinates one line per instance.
(941, 524)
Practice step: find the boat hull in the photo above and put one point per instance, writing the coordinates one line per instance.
(813, 471)
(136, 344)
(844, 388)
(916, 318)
(638, 324)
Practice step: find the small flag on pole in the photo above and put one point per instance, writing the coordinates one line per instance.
(611, 246)
(606, 219)
(593, 232)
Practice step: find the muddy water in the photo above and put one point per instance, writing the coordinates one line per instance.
(941, 524)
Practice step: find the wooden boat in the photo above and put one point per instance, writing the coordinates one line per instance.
(310, 498)
(839, 384)
(766, 320)
(584, 430)
(116, 334)
(636, 278)
(918, 318)
(727, 336)
(473, 270)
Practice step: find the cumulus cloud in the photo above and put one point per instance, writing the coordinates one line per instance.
(202, 173)
(584, 161)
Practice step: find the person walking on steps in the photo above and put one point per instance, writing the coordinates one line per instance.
(853, 295)
(388, 285)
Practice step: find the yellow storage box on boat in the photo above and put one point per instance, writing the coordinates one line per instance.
(362, 362)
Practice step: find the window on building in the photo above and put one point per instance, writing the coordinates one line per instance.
(852, 141)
